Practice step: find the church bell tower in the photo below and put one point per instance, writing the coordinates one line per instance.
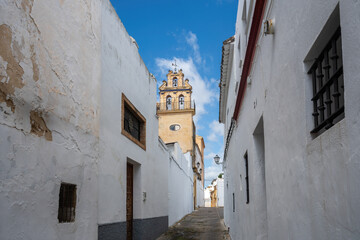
(176, 110)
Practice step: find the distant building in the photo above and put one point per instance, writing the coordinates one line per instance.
(289, 101)
(214, 194)
(207, 198)
(176, 110)
(220, 192)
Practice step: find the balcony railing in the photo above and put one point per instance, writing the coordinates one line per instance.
(175, 106)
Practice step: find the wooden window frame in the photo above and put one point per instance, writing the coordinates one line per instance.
(125, 102)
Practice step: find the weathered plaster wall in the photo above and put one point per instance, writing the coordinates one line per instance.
(123, 71)
(63, 68)
(310, 182)
(180, 185)
(49, 120)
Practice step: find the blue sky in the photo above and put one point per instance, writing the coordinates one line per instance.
(191, 32)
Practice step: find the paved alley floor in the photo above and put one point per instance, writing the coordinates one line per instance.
(202, 224)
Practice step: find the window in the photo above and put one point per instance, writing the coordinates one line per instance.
(67, 203)
(233, 202)
(175, 82)
(247, 178)
(175, 127)
(328, 85)
(168, 103)
(133, 123)
(181, 102)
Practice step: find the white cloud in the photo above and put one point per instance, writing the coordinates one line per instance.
(202, 92)
(212, 172)
(216, 131)
(192, 40)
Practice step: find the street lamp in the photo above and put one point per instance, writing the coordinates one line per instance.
(217, 159)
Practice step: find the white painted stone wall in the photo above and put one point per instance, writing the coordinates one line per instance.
(200, 202)
(123, 71)
(199, 185)
(207, 198)
(220, 192)
(311, 183)
(68, 62)
(180, 184)
(50, 64)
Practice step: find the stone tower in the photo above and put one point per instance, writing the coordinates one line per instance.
(176, 110)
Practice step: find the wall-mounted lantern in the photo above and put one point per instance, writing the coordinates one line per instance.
(269, 26)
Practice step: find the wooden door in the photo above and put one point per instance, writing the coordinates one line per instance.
(129, 201)
(194, 191)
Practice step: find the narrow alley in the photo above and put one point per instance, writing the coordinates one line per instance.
(202, 224)
(179, 120)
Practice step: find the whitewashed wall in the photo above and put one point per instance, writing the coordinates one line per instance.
(180, 184)
(200, 202)
(310, 182)
(199, 185)
(220, 192)
(69, 62)
(50, 64)
(207, 198)
(124, 72)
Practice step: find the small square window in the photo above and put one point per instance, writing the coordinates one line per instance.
(133, 123)
(67, 203)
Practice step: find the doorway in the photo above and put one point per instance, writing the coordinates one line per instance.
(129, 201)
(260, 201)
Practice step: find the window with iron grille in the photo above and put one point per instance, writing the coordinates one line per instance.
(328, 85)
(247, 178)
(233, 197)
(67, 203)
(133, 123)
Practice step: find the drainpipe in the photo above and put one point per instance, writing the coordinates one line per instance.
(250, 52)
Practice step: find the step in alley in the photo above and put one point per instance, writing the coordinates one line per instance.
(202, 224)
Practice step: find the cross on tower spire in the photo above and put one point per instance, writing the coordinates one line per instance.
(174, 64)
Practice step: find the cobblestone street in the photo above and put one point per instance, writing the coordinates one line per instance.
(202, 224)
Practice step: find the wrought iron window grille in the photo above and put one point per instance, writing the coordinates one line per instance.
(247, 178)
(67, 203)
(132, 124)
(328, 85)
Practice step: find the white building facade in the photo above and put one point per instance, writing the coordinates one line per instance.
(220, 192)
(289, 100)
(181, 195)
(198, 179)
(207, 198)
(80, 156)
